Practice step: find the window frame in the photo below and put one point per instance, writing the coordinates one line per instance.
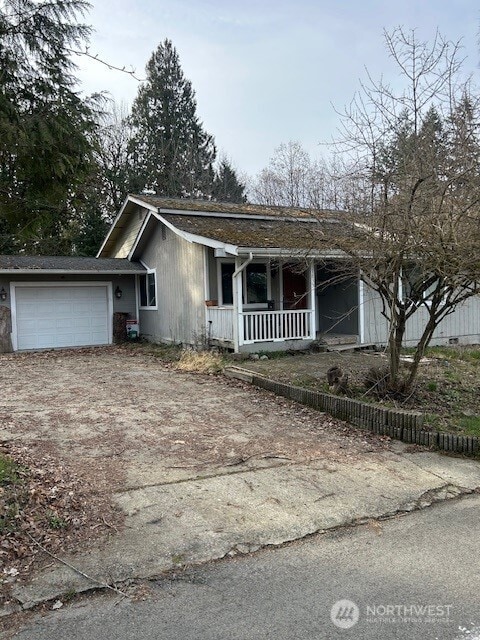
(149, 272)
(245, 303)
(425, 301)
(219, 282)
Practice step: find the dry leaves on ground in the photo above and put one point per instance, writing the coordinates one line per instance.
(48, 503)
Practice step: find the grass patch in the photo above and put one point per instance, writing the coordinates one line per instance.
(469, 425)
(11, 494)
(452, 354)
(207, 362)
(447, 389)
(9, 471)
(56, 522)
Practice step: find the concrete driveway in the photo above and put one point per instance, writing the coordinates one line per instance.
(203, 467)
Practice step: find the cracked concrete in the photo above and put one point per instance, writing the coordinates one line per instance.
(210, 468)
(202, 519)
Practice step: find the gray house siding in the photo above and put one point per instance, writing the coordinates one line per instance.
(180, 276)
(463, 325)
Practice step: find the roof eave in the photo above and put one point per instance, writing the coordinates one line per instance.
(118, 272)
(189, 237)
(290, 253)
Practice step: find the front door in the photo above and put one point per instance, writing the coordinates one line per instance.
(295, 295)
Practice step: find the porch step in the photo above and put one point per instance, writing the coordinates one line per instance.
(350, 347)
(331, 339)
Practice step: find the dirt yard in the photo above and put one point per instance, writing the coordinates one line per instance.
(133, 421)
(447, 388)
(91, 423)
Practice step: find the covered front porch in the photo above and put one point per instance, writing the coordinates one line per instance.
(266, 303)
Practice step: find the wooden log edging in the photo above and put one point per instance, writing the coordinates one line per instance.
(396, 423)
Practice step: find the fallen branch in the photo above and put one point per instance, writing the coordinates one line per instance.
(70, 566)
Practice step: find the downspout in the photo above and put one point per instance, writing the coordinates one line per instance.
(243, 265)
(237, 304)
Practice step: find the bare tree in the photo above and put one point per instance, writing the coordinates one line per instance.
(294, 179)
(112, 155)
(411, 188)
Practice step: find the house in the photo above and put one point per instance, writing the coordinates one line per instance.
(245, 277)
(252, 277)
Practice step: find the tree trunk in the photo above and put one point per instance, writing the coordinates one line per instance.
(395, 345)
(5, 329)
(420, 351)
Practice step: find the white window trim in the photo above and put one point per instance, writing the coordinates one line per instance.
(424, 302)
(139, 298)
(66, 283)
(246, 305)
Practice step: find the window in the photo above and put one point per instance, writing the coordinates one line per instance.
(148, 290)
(256, 284)
(227, 269)
(419, 286)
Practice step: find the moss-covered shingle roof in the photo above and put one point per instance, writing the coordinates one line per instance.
(184, 204)
(282, 234)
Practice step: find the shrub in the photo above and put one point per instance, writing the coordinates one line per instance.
(200, 362)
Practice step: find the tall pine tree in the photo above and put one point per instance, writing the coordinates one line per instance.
(226, 185)
(171, 153)
(45, 126)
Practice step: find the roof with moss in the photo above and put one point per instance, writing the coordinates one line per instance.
(281, 234)
(185, 204)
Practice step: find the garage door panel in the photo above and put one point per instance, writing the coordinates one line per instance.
(96, 308)
(62, 316)
(83, 323)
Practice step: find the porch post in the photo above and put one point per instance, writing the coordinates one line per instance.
(280, 284)
(313, 301)
(361, 308)
(237, 306)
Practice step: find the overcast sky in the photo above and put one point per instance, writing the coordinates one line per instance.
(267, 71)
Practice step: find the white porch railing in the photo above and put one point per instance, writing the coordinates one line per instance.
(259, 326)
(221, 319)
(262, 326)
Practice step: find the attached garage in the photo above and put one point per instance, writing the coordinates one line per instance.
(53, 302)
(48, 316)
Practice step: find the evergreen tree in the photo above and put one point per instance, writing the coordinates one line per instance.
(45, 126)
(226, 185)
(171, 153)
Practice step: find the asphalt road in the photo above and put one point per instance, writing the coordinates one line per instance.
(412, 577)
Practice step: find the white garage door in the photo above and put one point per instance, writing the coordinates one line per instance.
(64, 316)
